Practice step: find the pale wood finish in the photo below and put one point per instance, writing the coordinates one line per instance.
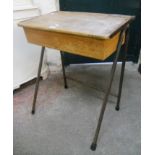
(85, 34)
(84, 46)
(96, 25)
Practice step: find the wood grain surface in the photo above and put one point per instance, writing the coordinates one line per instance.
(98, 25)
(84, 46)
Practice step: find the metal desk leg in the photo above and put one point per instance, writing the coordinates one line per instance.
(38, 79)
(63, 70)
(94, 143)
(122, 70)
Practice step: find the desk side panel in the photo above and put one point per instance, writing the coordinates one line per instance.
(84, 46)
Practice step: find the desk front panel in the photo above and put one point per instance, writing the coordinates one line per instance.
(81, 45)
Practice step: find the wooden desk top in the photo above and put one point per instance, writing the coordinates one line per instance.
(96, 25)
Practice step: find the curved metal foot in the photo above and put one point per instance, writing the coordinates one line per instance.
(93, 147)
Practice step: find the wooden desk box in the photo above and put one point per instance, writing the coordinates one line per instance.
(54, 32)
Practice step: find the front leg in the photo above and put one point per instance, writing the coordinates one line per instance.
(38, 79)
(94, 143)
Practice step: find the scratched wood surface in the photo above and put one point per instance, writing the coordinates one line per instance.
(98, 25)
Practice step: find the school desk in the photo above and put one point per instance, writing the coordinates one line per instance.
(94, 35)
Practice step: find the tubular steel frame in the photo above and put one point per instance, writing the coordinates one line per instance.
(125, 30)
(94, 143)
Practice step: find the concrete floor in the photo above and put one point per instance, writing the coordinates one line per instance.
(65, 120)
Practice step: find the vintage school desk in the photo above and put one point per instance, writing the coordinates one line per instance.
(92, 35)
